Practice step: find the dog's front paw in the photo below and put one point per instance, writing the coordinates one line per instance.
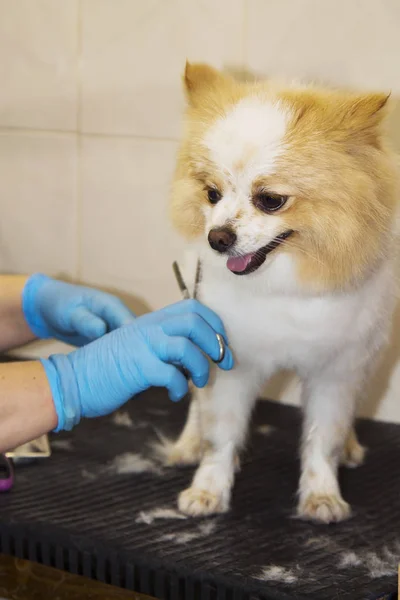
(198, 502)
(323, 508)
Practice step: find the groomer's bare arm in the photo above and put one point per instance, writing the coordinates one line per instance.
(26, 405)
(14, 330)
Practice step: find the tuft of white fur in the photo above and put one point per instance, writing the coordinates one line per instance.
(383, 563)
(131, 462)
(381, 567)
(162, 448)
(184, 537)
(252, 127)
(124, 464)
(349, 559)
(279, 574)
(149, 516)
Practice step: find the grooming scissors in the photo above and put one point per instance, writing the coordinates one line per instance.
(186, 295)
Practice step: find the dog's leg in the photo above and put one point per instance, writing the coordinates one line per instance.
(329, 406)
(226, 407)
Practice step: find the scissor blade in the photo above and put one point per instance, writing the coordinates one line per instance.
(180, 281)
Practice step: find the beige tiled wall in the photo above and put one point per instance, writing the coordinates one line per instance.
(90, 103)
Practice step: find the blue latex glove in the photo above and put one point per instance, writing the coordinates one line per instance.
(71, 313)
(97, 379)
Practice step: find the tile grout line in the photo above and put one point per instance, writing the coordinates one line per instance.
(79, 174)
(245, 15)
(4, 130)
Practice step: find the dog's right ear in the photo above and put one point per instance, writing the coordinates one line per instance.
(200, 79)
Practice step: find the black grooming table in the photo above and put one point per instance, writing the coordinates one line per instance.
(75, 511)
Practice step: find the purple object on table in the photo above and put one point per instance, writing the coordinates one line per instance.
(6, 474)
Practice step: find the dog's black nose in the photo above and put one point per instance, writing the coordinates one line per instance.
(221, 239)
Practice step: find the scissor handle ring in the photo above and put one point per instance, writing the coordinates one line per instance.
(221, 344)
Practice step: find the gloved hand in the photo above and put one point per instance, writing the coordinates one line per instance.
(97, 379)
(71, 313)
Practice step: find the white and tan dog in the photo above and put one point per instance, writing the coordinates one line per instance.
(290, 196)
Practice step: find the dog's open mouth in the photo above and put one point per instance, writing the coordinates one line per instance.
(248, 263)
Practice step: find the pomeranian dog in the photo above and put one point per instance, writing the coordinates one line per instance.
(289, 196)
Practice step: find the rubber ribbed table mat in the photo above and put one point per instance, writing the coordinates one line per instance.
(80, 512)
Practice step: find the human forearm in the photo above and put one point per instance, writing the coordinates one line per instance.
(26, 405)
(14, 330)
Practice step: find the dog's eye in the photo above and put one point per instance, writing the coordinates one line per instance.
(269, 202)
(214, 195)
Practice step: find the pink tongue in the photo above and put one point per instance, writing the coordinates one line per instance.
(239, 263)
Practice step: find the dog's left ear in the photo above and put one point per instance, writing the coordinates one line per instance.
(363, 115)
(200, 79)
